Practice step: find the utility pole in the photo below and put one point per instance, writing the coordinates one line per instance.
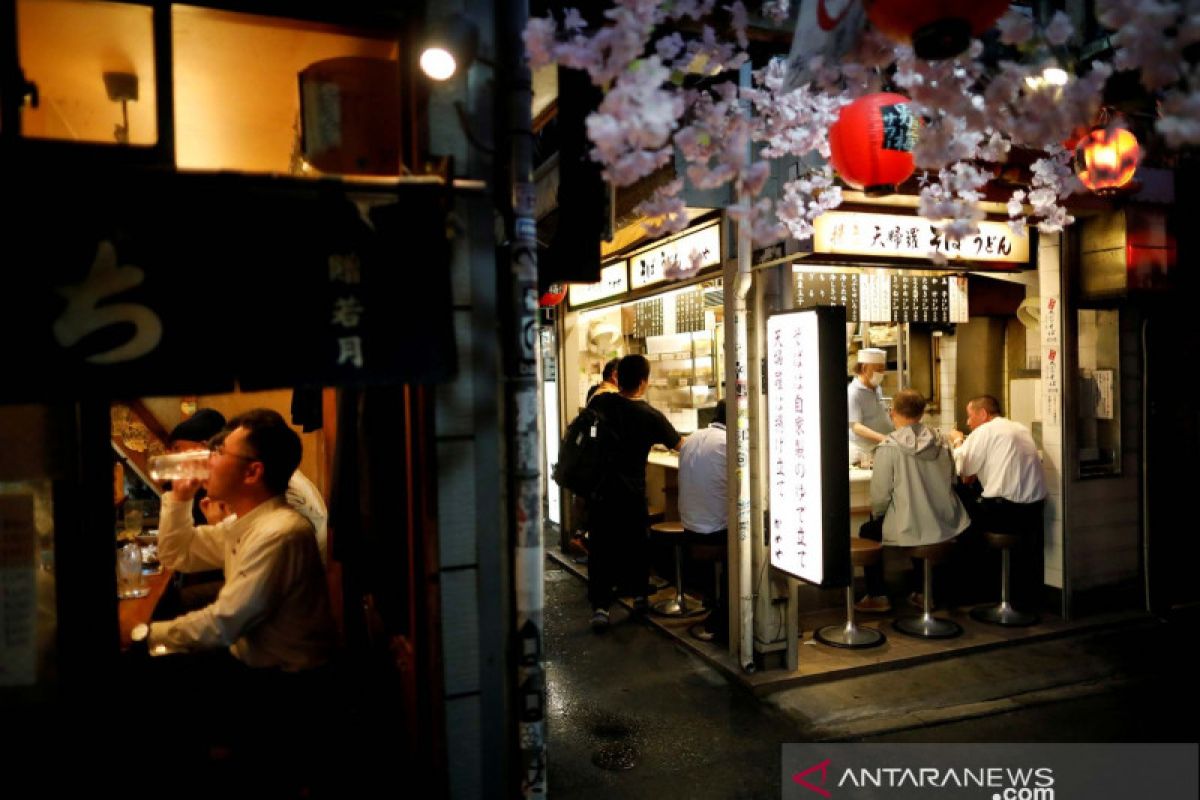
(518, 285)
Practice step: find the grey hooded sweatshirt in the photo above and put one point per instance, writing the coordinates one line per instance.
(912, 486)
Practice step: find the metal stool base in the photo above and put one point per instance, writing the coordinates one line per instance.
(850, 636)
(1004, 614)
(674, 608)
(928, 627)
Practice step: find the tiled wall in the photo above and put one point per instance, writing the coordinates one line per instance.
(468, 450)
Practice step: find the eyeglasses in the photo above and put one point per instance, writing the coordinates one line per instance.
(219, 450)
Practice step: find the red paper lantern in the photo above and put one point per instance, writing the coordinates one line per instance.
(1106, 159)
(553, 295)
(871, 143)
(936, 28)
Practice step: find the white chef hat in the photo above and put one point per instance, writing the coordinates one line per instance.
(872, 355)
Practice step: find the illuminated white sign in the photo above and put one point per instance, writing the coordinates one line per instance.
(650, 266)
(892, 235)
(614, 280)
(794, 418)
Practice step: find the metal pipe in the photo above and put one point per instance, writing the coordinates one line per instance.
(515, 190)
(745, 550)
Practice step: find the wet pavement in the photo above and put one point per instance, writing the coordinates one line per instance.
(632, 714)
(655, 717)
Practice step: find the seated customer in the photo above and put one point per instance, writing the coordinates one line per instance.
(912, 492)
(1001, 453)
(703, 498)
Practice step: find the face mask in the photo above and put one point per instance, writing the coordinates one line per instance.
(877, 380)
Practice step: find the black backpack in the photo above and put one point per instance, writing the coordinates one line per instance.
(585, 458)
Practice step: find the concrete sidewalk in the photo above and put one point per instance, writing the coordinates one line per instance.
(637, 695)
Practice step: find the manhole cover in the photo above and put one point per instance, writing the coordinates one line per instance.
(615, 757)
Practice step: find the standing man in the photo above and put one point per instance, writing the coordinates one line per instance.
(869, 420)
(608, 380)
(912, 493)
(1002, 455)
(618, 550)
(703, 509)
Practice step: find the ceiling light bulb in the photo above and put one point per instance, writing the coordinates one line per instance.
(1055, 76)
(437, 63)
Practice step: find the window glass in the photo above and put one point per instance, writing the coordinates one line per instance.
(238, 89)
(93, 65)
(1099, 423)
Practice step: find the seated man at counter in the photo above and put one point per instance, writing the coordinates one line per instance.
(703, 510)
(869, 421)
(199, 589)
(912, 493)
(618, 548)
(1002, 455)
(273, 611)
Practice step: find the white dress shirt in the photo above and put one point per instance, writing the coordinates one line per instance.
(702, 481)
(273, 610)
(1005, 459)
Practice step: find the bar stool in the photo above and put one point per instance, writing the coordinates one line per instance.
(863, 552)
(655, 514)
(928, 626)
(1003, 613)
(672, 533)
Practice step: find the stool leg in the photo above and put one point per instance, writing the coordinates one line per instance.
(928, 626)
(680, 597)
(1004, 613)
(677, 606)
(849, 635)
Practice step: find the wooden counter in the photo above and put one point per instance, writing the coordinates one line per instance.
(137, 610)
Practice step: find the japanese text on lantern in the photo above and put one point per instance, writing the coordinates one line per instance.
(345, 275)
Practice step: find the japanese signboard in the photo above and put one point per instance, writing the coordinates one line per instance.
(882, 297)
(807, 419)
(155, 284)
(897, 236)
(614, 280)
(1051, 361)
(650, 266)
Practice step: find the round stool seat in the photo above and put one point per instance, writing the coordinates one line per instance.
(999, 541)
(933, 553)
(670, 532)
(864, 551)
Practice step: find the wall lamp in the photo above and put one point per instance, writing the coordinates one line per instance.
(450, 43)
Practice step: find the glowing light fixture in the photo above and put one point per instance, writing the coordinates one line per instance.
(449, 45)
(1107, 158)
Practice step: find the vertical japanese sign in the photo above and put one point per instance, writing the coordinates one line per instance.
(1051, 360)
(18, 592)
(808, 469)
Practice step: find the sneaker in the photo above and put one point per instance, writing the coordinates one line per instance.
(917, 600)
(698, 631)
(874, 605)
(600, 620)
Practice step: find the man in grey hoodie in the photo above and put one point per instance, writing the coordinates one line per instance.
(912, 492)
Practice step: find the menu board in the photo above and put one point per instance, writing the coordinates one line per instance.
(880, 297)
(648, 318)
(828, 289)
(806, 421)
(689, 311)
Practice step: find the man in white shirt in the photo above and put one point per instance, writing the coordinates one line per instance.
(273, 611)
(703, 510)
(1002, 456)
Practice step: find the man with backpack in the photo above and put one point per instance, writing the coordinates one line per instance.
(618, 547)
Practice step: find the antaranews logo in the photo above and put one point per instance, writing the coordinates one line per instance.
(1006, 783)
